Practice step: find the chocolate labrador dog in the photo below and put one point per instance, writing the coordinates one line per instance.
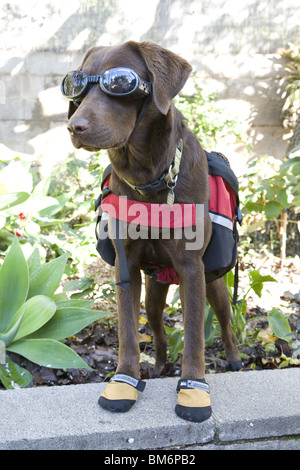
(121, 99)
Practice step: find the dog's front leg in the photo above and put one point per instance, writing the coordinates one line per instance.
(121, 392)
(128, 320)
(193, 391)
(193, 294)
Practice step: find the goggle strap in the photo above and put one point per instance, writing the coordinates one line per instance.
(141, 113)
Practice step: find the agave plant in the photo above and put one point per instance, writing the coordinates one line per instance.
(34, 321)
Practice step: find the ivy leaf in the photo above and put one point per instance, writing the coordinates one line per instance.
(258, 281)
(296, 169)
(282, 197)
(273, 209)
(251, 206)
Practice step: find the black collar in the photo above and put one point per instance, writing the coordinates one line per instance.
(167, 180)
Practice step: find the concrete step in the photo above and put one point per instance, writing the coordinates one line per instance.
(256, 410)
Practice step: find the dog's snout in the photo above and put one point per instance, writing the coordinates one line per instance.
(78, 126)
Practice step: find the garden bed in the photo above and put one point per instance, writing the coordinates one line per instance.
(98, 343)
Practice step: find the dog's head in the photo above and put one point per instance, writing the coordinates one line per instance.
(100, 120)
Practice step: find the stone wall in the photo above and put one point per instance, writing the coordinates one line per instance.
(232, 44)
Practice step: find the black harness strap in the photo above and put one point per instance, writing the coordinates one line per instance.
(141, 113)
(123, 265)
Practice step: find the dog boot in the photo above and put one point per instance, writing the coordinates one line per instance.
(121, 393)
(193, 400)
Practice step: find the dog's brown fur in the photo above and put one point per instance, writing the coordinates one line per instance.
(140, 157)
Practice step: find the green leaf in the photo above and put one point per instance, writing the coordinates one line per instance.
(42, 187)
(67, 321)
(78, 284)
(33, 229)
(13, 376)
(254, 206)
(280, 325)
(14, 282)
(258, 280)
(60, 297)
(176, 297)
(48, 353)
(296, 169)
(229, 279)
(8, 200)
(46, 279)
(10, 334)
(2, 352)
(34, 261)
(38, 311)
(282, 197)
(209, 329)
(41, 203)
(78, 303)
(176, 342)
(57, 206)
(273, 209)
(291, 163)
(296, 201)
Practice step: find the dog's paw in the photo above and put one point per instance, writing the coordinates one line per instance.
(118, 397)
(193, 400)
(235, 366)
(121, 393)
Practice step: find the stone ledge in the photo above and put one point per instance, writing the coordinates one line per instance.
(249, 408)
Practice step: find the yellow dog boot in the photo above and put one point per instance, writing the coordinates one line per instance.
(121, 393)
(193, 400)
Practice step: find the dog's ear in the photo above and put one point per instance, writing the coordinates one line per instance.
(168, 73)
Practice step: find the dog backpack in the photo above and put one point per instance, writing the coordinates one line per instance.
(221, 253)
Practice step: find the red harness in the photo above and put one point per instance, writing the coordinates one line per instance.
(148, 214)
(222, 204)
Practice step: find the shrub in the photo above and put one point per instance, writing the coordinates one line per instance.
(34, 321)
(269, 193)
(207, 119)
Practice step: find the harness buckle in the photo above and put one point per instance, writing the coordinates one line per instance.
(172, 180)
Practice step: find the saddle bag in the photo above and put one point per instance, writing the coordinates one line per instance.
(221, 253)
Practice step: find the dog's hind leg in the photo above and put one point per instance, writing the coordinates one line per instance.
(156, 293)
(218, 297)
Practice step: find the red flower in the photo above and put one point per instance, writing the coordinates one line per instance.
(19, 232)
(22, 216)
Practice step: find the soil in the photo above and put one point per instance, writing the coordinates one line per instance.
(98, 343)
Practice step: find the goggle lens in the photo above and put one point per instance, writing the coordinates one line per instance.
(74, 84)
(119, 82)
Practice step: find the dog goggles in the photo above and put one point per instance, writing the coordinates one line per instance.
(118, 81)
